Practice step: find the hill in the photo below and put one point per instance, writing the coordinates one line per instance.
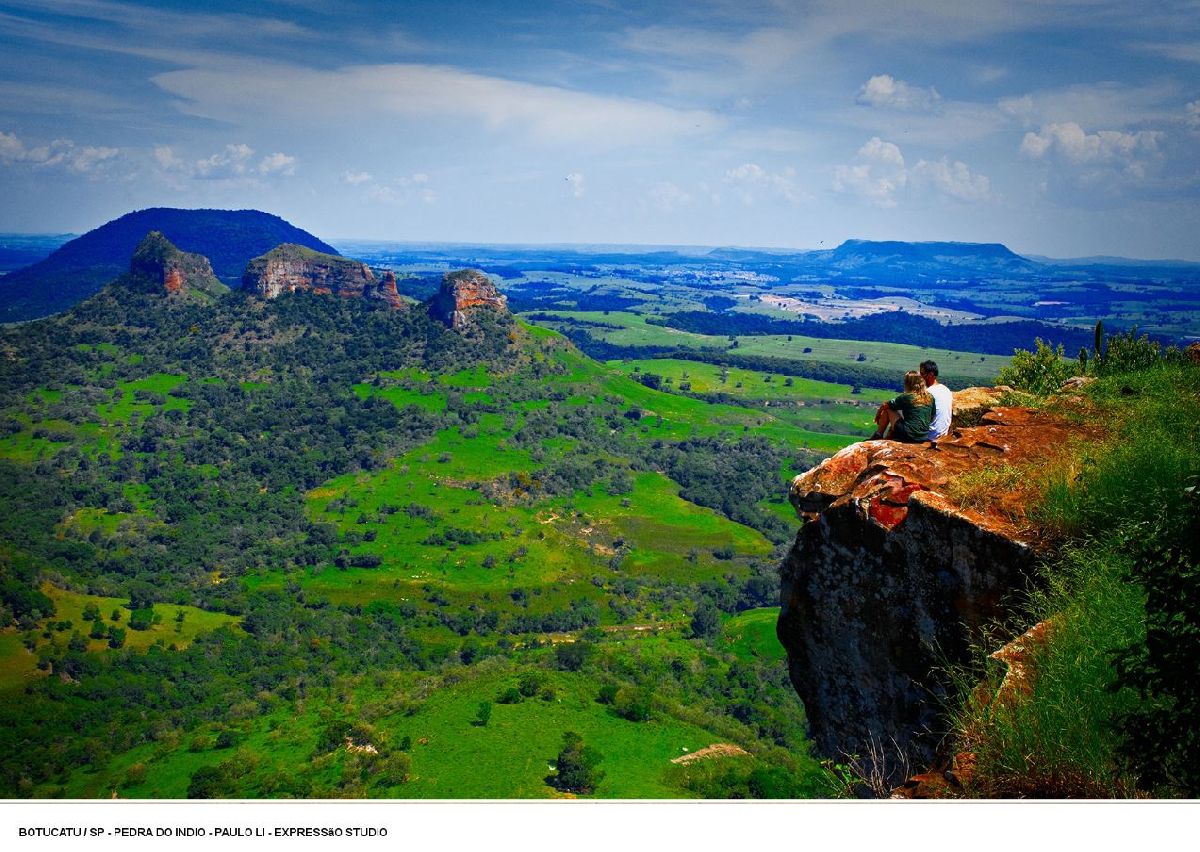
(889, 259)
(258, 535)
(228, 238)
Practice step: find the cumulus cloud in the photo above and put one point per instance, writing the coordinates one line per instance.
(880, 175)
(277, 163)
(886, 92)
(751, 183)
(1071, 143)
(951, 179)
(578, 184)
(667, 196)
(355, 178)
(64, 153)
(233, 162)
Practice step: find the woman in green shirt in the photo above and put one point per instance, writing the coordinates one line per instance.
(906, 418)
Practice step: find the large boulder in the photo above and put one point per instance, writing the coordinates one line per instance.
(890, 580)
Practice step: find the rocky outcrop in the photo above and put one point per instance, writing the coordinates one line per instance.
(889, 580)
(289, 267)
(463, 295)
(158, 266)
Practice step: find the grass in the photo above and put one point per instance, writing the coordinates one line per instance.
(751, 634)
(17, 664)
(633, 330)
(1060, 738)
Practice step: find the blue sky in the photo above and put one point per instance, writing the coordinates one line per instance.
(1060, 127)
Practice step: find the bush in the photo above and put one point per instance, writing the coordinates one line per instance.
(1039, 372)
(576, 766)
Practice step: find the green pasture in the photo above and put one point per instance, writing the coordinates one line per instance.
(751, 384)
(751, 634)
(513, 754)
(17, 664)
(124, 403)
(635, 331)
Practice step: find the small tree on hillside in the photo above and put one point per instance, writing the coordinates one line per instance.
(576, 770)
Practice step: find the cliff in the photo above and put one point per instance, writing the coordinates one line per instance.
(889, 580)
(463, 294)
(289, 267)
(158, 266)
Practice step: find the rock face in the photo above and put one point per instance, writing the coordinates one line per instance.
(290, 267)
(889, 580)
(158, 266)
(463, 295)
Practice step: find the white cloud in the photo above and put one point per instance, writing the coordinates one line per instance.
(232, 161)
(578, 184)
(667, 196)
(80, 159)
(1070, 142)
(312, 96)
(751, 183)
(880, 175)
(1107, 104)
(401, 190)
(885, 91)
(1192, 113)
(355, 178)
(277, 163)
(951, 179)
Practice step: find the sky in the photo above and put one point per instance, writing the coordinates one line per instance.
(1058, 127)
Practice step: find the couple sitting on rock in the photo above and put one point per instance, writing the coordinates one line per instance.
(921, 413)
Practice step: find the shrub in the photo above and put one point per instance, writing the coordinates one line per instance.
(576, 766)
(1040, 372)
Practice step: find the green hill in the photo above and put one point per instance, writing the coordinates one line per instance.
(228, 238)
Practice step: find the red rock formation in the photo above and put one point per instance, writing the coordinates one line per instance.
(288, 268)
(463, 295)
(889, 579)
(386, 290)
(158, 266)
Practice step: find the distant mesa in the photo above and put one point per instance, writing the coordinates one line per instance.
(158, 266)
(79, 268)
(289, 267)
(463, 295)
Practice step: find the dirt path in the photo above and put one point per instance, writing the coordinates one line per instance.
(714, 750)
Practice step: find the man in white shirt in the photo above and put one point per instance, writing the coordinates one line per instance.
(943, 400)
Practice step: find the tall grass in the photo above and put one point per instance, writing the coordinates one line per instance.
(1057, 734)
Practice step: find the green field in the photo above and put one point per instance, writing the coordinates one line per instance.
(18, 664)
(633, 330)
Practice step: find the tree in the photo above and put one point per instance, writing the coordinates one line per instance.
(706, 623)
(575, 769)
(483, 715)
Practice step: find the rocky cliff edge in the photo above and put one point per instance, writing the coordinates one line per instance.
(463, 294)
(890, 579)
(289, 267)
(159, 267)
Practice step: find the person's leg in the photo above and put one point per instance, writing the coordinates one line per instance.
(885, 418)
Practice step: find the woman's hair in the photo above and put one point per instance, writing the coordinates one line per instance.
(914, 384)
